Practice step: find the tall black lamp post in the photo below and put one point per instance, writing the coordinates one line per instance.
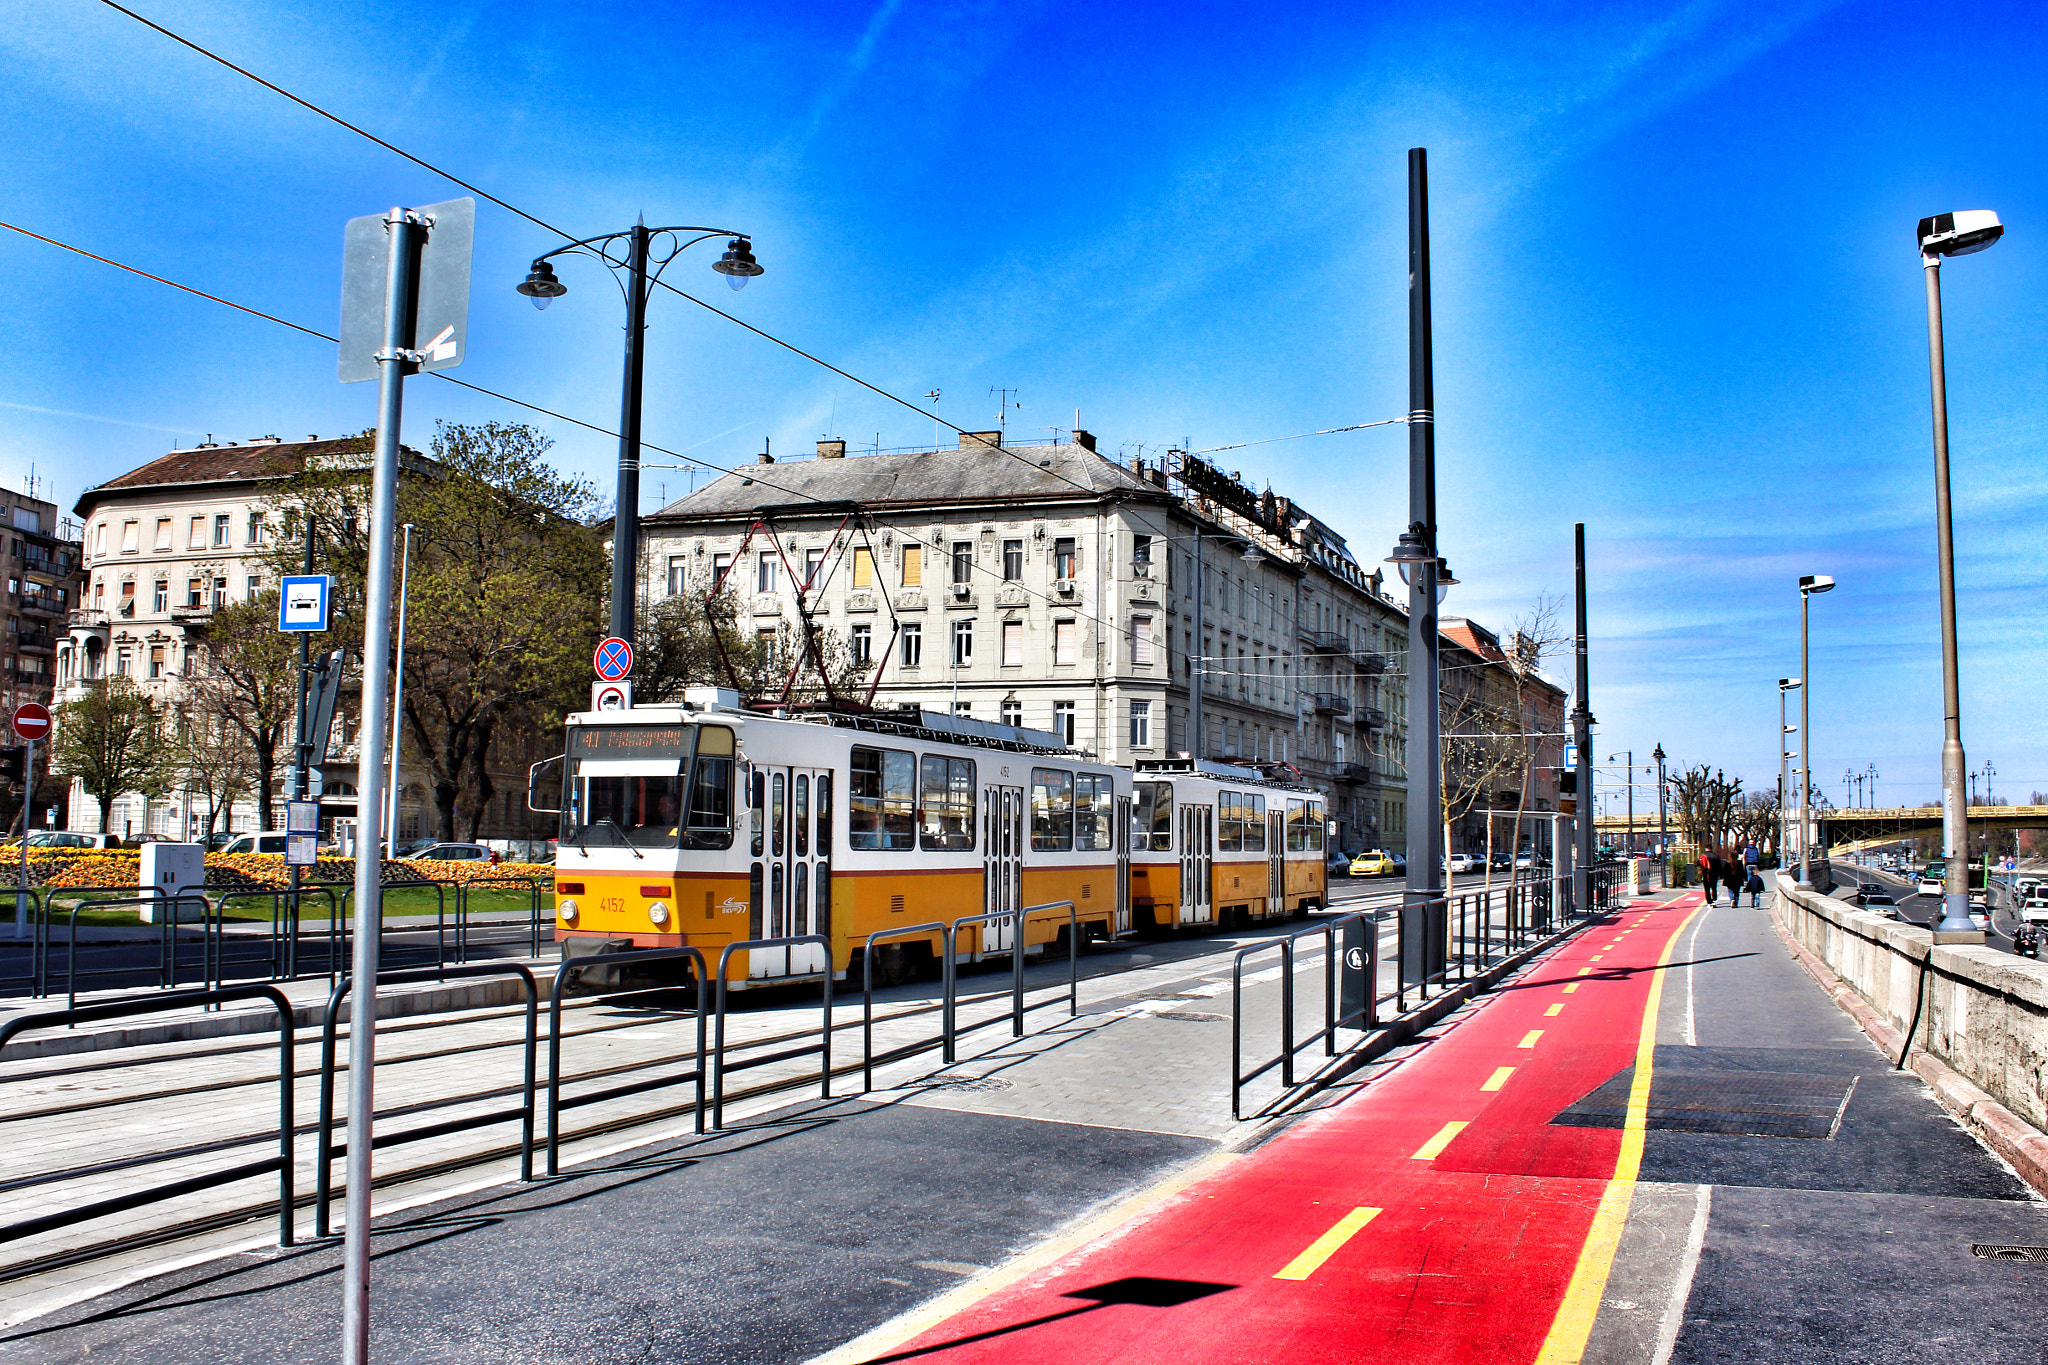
(634, 257)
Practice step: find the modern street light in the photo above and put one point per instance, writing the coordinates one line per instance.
(1809, 585)
(392, 788)
(1785, 756)
(1950, 234)
(640, 266)
(1628, 758)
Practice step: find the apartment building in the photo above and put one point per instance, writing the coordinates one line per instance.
(1051, 587)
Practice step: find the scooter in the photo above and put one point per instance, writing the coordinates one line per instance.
(2027, 940)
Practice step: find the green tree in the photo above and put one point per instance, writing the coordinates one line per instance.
(112, 741)
(247, 679)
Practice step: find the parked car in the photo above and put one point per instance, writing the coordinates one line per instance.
(1374, 863)
(218, 840)
(457, 853)
(271, 842)
(1466, 862)
(412, 848)
(61, 838)
(2034, 905)
(1337, 865)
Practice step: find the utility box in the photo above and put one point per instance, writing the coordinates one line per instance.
(171, 869)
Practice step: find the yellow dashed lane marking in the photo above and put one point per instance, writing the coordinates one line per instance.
(1499, 1078)
(1585, 971)
(1325, 1246)
(1553, 1011)
(1569, 989)
(1428, 1150)
(1529, 1038)
(1598, 956)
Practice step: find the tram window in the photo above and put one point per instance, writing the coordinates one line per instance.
(800, 899)
(803, 815)
(710, 823)
(1315, 827)
(1152, 816)
(1297, 827)
(1094, 811)
(775, 888)
(754, 924)
(824, 817)
(1052, 810)
(1253, 812)
(883, 812)
(778, 812)
(1229, 822)
(946, 815)
(757, 799)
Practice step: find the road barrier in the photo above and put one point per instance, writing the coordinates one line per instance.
(823, 1047)
(556, 1104)
(29, 906)
(944, 1040)
(328, 1151)
(153, 1004)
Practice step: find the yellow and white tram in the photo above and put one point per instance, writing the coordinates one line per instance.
(830, 824)
(1219, 845)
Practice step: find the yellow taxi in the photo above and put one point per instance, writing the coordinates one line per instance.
(1374, 863)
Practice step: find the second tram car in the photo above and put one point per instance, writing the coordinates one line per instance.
(707, 825)
(1219, 845)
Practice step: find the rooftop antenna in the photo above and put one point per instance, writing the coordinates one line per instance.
(1004, 405)
(937, 440)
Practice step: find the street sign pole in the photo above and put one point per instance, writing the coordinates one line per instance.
(28, 801)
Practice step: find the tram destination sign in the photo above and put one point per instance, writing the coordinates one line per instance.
(629, 741)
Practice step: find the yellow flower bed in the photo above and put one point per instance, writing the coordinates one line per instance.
(121, 867)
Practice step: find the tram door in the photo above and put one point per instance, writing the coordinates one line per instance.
(1123, 865)
(1276, 860)
(1197, 849)
(1002, 861)
(798, 890)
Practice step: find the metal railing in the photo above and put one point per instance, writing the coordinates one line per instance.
(29, 906)
(944, 1040)
(328, 1151)
(556, 1104)
(823, 1047)
(531, 885)
(153, 1004)
(1367, 1014)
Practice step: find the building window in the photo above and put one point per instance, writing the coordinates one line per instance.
(220, 592)
(863, 567)
(1013, 644)
(1013, 560)
(1141, 640)
(195, 593)
(963, 643)
(721, 568)
(678, 574)
(913, 566)
(127, 607)
(1063, 557)
(131, 532)
(1063, 721)
(198, 538)
(162, 601)
(163, 535)
(254, 586)
(1141, 725)
(156, 661)
(964, 708)
(1141, 556)
(1013, 712)
(764, 571)
(913, 645)
(963, 561)
(255, 528)
(220, 529)
(863, 644)
(99, 595)
(121, 663)
(1062, 642)
(814, 565)
(766, 639)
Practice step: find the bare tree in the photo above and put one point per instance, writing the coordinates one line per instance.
(216, 761)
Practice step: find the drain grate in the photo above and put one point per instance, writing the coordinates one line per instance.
(1192, 1017)
(976, 1084)
(1992, 1251)
(1744, 1103)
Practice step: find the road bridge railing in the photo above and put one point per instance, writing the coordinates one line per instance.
(637, 959)
(157, 1003)
(328, 1151)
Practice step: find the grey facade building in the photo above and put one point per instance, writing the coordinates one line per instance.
(1052, 587)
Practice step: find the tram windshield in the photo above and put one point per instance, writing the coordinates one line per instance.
(629, 784)
(1152, 816)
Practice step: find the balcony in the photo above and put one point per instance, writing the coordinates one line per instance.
(1374, 718)
(87, 620)
(192, 615)
(43, 604)
(1326, 642)
(1351, 772)
(1370, 663)
(1330, 704)
(35, 639)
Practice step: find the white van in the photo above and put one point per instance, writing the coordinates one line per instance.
(272, 842)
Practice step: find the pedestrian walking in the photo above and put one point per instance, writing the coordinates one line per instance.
(1708, 879)
(1755, 887)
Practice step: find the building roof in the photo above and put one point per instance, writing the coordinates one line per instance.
(212, 464)
(917, 478)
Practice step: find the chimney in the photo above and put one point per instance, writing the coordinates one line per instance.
(980, 440)
(831, 450)
(1157, 476)
(1085, 439)
(766, 458)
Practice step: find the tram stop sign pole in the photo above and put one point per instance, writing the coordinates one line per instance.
(404, 309)
(31, 723)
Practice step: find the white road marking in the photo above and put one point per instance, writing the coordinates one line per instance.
(1674, 1312)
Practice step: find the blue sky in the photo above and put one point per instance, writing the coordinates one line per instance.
(1677, 297)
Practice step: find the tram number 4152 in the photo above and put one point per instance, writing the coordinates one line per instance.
(612, 903)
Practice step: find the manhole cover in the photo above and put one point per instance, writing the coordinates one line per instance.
(1992, 1251)
(1192, 1017)
(978, 1084)
(1747, 1103)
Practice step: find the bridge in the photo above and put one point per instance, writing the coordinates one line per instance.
(1872, 824)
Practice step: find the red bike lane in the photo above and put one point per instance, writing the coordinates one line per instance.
(1435, 1216)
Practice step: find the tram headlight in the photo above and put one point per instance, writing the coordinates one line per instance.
(658, 913)
(567, 910)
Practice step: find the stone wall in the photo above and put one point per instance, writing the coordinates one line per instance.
(1985, 1010)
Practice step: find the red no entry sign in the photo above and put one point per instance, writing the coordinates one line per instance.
(614, 659)
(32, 720)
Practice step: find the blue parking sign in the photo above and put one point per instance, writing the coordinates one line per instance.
(302, 602)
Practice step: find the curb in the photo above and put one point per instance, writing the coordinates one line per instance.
(2022, 1146)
